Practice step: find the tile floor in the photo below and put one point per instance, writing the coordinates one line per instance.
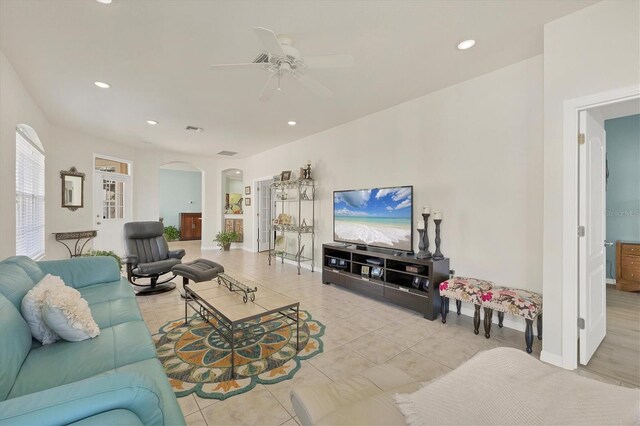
(360, 332)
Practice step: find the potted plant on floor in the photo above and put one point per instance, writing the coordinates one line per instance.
(224, 239)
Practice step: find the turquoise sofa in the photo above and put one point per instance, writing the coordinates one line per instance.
(114, 379)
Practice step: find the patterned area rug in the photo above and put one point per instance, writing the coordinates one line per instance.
(198, 360)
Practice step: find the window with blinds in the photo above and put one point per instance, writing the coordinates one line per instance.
(29, 198)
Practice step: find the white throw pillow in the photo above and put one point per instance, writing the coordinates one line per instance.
(31, 308)
(68, 315)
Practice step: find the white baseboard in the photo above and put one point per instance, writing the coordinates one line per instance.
(611, 281)
(550, 358)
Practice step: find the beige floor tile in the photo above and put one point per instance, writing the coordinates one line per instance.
(204, 402)
(340, 363)
(418, 366)
(445, 351)
(256, 407)
(188, 405)
(291, 422)
(375, 348)
(308, 375)
(407, 334)
(195, 419)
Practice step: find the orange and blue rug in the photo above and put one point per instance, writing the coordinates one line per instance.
(198, 360)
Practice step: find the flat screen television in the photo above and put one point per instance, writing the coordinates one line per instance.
(377, 217)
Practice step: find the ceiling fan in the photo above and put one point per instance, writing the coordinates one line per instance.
(281, 58)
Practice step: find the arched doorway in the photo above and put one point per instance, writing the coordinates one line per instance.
(233, 202)
(180, 200)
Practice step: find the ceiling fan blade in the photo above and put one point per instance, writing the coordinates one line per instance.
(236, 66)
(315, 86)
(268, 89)
(329, 61)
(269, 41)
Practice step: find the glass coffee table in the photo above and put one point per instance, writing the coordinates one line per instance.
(229, 305)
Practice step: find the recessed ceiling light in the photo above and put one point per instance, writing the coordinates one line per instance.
(238, 172)
(104, 1)
(152, 122)
(291, 123)
(466, 44)
(102, 85)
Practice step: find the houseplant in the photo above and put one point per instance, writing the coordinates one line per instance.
(105, 253)
(224, 239)
(171, 233)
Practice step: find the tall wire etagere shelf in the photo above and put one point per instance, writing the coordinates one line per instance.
(287, 198)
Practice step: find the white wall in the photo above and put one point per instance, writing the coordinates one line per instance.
(65, 148)
(473, 151)
(593, 50)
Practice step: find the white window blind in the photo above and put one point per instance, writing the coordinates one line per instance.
(29, 198)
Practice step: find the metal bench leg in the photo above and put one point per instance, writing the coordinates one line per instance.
(458, 306)
(539, 326)
(476, 320)
(528, 335)
(443, 309)
(488, 315)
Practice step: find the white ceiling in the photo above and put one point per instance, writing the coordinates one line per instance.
(155, 55)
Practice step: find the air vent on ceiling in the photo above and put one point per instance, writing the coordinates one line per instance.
(194, 129)
(227, 153)
(261, 58)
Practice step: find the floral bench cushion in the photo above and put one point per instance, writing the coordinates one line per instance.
(513, 301)
(465, 289)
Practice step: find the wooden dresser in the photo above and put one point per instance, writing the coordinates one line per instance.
(190, 226)
(628, 266)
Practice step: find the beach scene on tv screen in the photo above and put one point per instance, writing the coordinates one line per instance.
(377, 217)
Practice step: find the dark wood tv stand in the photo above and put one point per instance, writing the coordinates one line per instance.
(395, 285)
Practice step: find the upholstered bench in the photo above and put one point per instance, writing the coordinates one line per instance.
(197, 271)
(463, 289)
(513, 301)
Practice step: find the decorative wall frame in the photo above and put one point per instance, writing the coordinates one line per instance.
(247, 201)
(247, 191)
(72, 189)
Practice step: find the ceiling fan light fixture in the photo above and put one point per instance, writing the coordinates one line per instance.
(466, 44)
(292, 123)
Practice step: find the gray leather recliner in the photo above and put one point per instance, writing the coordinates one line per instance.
(148, 256)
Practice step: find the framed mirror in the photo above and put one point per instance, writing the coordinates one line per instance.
(72, 189)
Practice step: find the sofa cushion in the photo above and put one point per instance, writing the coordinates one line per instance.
(107, 291)
(152, 368)
(119, 417)
(15, 282)
(113, 312)
(66, 362)
(83, 271)
(15, 342)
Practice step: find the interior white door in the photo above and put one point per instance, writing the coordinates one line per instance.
(263, 211)
(112, 208)
(592, 199)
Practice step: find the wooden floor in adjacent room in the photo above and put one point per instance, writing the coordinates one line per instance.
(618, 357)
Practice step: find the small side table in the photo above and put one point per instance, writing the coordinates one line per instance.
(78, 236)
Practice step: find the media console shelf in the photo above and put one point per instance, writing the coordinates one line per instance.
(343, 266)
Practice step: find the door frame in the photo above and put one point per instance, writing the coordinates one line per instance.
(570, 211)
(129, 180)
(256, 209)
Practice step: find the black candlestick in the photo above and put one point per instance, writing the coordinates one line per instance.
(438, 254)
(425, 239)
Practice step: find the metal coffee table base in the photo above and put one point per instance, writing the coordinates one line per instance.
(238, 331)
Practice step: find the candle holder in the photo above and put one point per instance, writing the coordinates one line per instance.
(438, 254)
(423, 244)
